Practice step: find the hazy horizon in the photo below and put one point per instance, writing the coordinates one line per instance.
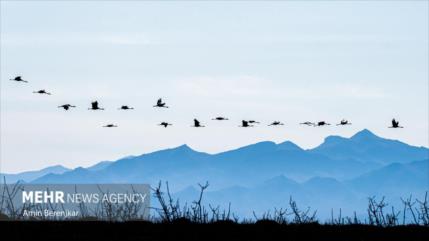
(287, 61)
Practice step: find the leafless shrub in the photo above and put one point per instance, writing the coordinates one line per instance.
(409, 206)
(170, 209)
(377, 216)
(301, 216)
(375, 211)
(424, 210)
(419, 210)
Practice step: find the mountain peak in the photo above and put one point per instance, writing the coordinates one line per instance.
(364, 134)
(183, 148)
(56, 169)
(334, 139)
(288, 145)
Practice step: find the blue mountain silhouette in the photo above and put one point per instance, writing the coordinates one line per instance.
(338, 157)
(322, 193)
(366, 147)
(341, 172)
(32, 175)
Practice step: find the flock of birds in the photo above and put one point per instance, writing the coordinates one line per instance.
(197, 123)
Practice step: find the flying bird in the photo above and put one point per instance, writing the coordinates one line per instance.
(344, 122)
(322, 123)
(276, 123)
(395, 124)
(94, 106)
(220, 118)
(126, 107)
(197, 124)
(245, 123)
(110, 125)
(308, 123)
(159, 103)
(19, 79)
(42, 92)
(66, 106)
(165, 124)
(253, 122)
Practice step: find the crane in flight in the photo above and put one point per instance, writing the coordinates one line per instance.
(197, 123)
(125, 107)
(307, 123)
(322, 123)
(344, 122)
(245, 123)
(253, 122)
(220, 118)
(161, 104)
(19, 79)
(165, 124)
(110, 125)
(66, 106)
(276, 123)
(395, 124)
(42, 92)
(94, 106)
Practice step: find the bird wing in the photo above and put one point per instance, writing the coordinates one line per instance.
(159, 101)
(196, 122)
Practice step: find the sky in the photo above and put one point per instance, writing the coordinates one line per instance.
(275, 60)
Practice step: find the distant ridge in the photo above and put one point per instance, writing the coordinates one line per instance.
(367, 147)
(337, 157)
(29, 176)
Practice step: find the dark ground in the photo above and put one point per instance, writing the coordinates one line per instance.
(28, 230)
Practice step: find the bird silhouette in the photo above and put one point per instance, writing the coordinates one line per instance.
(344, 122)
(276, 123)
(19, 79)
(245, 123)
(322, 123)
(308, 123)
(165, 124)
(66, 106)
(42, 92)
(94, 106)
(159, 103)
(395, 124)
(126, 107)
(197, 124)
(220, 118)
(253, 122)
(110, 125)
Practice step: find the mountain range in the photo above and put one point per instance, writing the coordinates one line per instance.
(341, 172)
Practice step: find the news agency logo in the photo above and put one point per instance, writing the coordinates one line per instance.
(77, 201)
(44, 197)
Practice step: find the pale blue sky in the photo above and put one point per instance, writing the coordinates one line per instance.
(288, 61)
